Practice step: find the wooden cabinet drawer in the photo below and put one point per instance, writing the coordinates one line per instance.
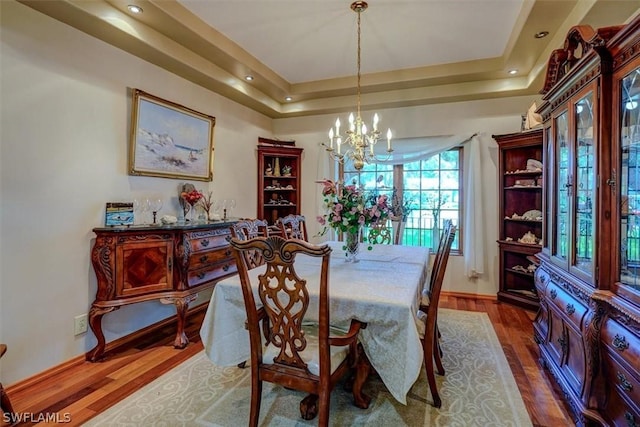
(204, 258)
(564, 303)
(618, 377)
(207, 241)
(211, 273)
(621, 342)
(620, 411)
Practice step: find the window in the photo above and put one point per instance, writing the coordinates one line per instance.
(434, 187)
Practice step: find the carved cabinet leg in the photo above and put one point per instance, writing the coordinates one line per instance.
(182, 305)
(95, 323)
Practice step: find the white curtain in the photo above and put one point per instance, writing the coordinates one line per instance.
(413, 149)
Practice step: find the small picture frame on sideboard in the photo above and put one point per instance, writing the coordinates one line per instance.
(118, 214)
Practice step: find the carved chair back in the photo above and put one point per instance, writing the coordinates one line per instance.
(293, 227)
(379, 234)
(448, 224)
(246, 229)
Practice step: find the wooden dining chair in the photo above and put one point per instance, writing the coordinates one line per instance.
(293, 227)
(428, 313)
(246, 229)
(286, 348)
(379, 234)
(5, 403)
(426, 292)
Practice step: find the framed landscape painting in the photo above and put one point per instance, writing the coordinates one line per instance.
(169, 140)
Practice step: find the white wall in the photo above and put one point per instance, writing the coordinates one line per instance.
(64, 135)
(65, 110)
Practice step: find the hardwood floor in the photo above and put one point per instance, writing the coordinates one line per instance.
(86, 389)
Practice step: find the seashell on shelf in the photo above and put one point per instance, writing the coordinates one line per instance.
(534, 165)
(532, 215)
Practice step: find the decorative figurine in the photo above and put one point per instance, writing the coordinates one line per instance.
(276, 167)
(269, 171)
(286, 170)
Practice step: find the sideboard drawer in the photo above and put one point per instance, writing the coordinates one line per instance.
(566, 304)
(212, 273)
(204, 258)
(620, 341)
(208, 242)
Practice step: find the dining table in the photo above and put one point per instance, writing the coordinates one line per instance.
(382, 289)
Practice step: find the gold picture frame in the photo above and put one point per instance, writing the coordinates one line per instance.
(169, 140)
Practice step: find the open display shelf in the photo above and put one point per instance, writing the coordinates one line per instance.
(520, 194)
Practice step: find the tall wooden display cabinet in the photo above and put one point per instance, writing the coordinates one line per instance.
(588, 325)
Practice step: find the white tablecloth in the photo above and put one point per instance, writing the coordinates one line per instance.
(383, 290)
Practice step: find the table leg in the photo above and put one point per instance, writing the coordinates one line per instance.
(363, 369)
(309, 407)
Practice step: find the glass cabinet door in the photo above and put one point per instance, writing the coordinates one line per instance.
(629, 156)
(560, 243)
(549, 185)
(584, 185)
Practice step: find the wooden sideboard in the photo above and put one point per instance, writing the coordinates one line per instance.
(166, 263)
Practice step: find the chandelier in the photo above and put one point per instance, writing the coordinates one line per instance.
(359, 141)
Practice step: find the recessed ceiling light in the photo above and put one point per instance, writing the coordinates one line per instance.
(514, 71)
(248, 78)
(541, 34)
(134, 9)
(288, 98)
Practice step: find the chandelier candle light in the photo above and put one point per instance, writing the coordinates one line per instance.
(359, 141)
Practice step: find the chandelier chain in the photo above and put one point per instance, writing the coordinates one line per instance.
(358, 62)
(358, 141)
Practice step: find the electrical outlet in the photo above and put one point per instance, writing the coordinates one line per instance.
(80, 324)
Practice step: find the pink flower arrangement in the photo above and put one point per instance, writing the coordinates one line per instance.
(347, 207)
(192, 197)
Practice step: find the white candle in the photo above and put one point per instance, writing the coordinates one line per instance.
(339, 141)
(389, 139)
(352, 125)
(375, 122)
(331, 138)
(337, 126)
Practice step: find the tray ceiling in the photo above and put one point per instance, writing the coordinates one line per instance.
(413, 52)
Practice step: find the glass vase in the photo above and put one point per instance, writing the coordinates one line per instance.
(352, 244)
(193, 214)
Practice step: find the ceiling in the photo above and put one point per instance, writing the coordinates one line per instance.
(414, 52)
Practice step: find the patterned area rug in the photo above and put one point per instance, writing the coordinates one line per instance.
(477, 390)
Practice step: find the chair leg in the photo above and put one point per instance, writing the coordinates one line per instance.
(428, 343)
(437, 354)
(323, 408)
(256, 398)
(5, 403)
